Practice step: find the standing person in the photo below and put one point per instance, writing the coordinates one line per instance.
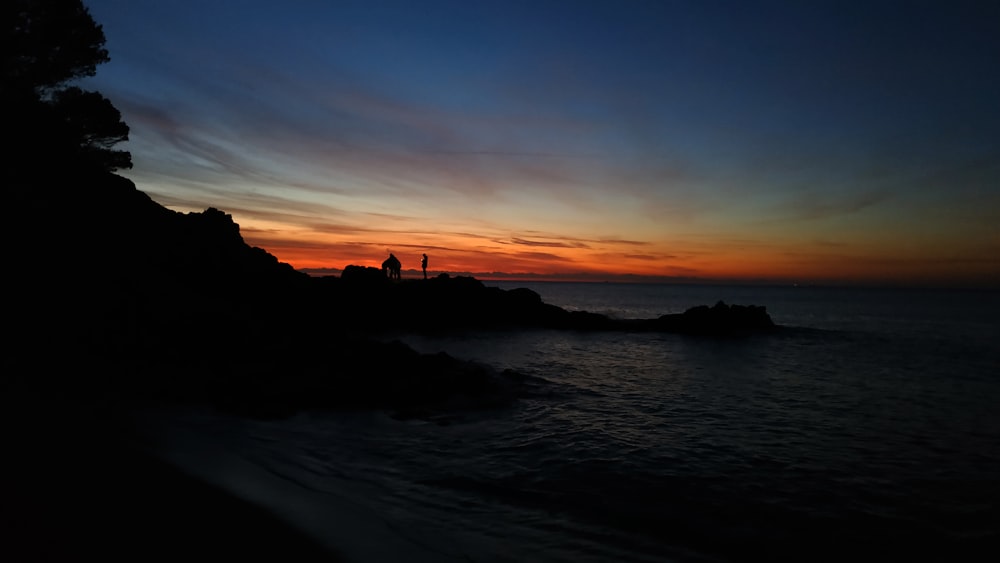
(395, 271)
(391, 267)
(423, 264)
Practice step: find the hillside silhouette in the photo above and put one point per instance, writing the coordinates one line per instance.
(115, 303)
(172, 304)
(166, 305)
(106, 276)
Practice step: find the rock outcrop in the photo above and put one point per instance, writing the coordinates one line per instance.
(465, 303)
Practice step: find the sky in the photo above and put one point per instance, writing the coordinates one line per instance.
(782, 141)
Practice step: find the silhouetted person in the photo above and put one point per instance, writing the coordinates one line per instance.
(423, 265)
(392, 267)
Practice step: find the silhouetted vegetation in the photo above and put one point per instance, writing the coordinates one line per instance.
(47, 120)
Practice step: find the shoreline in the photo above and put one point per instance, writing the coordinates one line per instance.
(202, 443)
(75, 489)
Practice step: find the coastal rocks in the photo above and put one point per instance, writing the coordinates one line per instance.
(462, 303)
(367, 374)
(363, 276)
(178, 307)
(365, 299)
(721, 319)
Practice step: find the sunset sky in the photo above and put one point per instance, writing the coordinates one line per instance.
(796, 141)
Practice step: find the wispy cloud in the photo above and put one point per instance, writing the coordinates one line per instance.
(551, 244)
(812, 205)
(663, 136)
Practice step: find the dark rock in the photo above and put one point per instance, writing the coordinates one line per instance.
(363, 275)
(721, 319)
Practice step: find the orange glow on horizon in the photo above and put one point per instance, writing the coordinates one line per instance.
(503, 260)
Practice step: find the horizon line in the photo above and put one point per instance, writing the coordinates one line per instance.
(606, 277)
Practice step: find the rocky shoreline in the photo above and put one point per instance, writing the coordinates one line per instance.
(176, 307)
(166, 308)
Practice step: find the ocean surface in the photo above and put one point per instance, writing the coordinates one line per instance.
(868, 428)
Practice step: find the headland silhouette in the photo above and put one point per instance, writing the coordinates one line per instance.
(116, 301)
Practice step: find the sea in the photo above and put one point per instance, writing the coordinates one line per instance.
(866, 429)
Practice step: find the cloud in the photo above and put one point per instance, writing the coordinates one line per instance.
(544, 256)
(651, 257)
(653, 133)
(551, 244)
(811, 205)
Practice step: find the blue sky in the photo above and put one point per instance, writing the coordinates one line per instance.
(832, 141)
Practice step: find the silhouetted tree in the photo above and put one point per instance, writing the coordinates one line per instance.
(95, 124)
(46, 45)
(50, 42)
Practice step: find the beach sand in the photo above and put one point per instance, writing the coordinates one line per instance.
(73, 488)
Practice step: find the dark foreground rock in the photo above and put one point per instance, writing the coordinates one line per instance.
(362, 374)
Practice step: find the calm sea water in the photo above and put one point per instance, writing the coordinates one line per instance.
(867, 429)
